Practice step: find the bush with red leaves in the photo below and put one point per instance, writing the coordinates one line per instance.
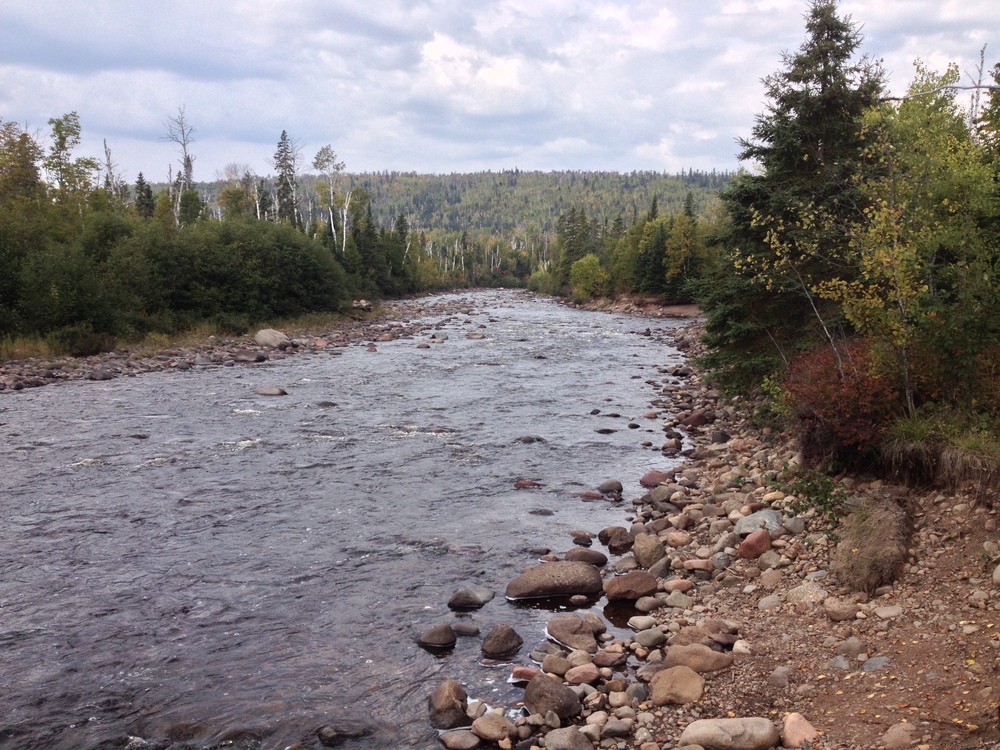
(839, 411)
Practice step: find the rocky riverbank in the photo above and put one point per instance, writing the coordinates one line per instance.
(367, 328)
(746, 635)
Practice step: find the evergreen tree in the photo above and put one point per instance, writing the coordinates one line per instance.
(807, 147)
(145, 203)
(285, 167)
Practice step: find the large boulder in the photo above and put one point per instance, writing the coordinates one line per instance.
(567, 738)
(732, 734)
(633, 585)
(448, 705)
(271, 338)
(698, 657)
(494, 727)
(771, 520)
(592, 556)
(563, 578)
(654, 477)
(648, 550)
(438, 636)
(544, 694)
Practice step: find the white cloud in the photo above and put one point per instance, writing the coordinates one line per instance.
(439, 85)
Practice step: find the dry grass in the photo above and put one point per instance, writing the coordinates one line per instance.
(874, 540)
(26, 348)
(950, 450)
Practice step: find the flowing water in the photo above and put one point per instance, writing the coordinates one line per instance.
(183, 559)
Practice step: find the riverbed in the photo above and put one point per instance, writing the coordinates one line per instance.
(185, 559)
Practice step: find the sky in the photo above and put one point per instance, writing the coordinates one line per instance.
(438, 86)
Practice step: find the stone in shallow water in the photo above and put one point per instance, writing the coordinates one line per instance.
(447, 705)
(271, 390)
(501, 642)
(591, 556)
(573, 631)
(564, 578)
(334, 735)
(470, 597)
(438, 636)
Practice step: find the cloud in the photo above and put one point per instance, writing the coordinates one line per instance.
(438, 85)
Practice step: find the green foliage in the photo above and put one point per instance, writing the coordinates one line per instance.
(145, 203)
(806, 148)
(71, 177)
(814, 490)
(587, 278)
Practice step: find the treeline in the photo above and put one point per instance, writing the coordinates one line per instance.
(483, 203)
(87, 259)
(656, 255)
(513, 200)
(859, 283)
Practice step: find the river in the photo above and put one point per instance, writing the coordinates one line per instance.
(185, 560)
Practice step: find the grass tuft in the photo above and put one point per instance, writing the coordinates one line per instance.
(944, 447)
(872, 550)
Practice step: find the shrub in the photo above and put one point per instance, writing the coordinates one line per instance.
(839, 410)
(83, 341)
(587, 278)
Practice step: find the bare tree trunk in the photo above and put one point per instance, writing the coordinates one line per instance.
(343, 221)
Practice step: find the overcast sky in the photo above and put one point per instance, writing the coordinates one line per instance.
(438, 85)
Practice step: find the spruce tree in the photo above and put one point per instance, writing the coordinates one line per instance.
(807, 147)
(285, 168)
(145, 203)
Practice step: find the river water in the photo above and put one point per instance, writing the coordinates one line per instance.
(183, 559)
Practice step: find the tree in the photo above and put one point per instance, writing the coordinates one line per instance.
(587, 278)
(71, 176)
(325, 162)
(806, 146)
(286, 168)
(180, 131)
(23, 207)
(114, 186)
(683, 255)
(919, 273)
(145, 203)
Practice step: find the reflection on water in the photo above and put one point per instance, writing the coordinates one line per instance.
(184, 559)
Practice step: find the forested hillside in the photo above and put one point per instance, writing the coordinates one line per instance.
(511, 201)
